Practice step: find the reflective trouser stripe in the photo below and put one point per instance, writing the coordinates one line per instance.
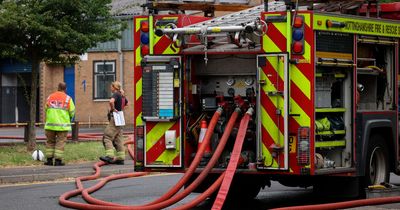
(110, 152)
(49, 152)
(59, 124)
(58, 154)
(121, 155)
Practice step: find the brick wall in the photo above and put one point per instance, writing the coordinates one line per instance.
(50, 76)
(92, 110)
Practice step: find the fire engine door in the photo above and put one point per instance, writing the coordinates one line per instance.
(273, 109)
(161, 110)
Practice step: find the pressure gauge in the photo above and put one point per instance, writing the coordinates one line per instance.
(230, 82)
(249, 81)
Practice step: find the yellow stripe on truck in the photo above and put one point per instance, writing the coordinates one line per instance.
(138, 89)
(301, 81)
(304, 119)
(139, 120)
(156, 133)
(269, 160)
(271, 127)
(170, 154)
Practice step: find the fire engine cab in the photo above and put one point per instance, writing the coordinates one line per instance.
(311, 95)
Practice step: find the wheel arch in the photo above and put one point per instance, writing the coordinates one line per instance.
(384, 128)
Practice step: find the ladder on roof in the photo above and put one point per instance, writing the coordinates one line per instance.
(243, 17)
(245, 20)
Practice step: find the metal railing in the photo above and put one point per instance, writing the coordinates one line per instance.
(74, 132)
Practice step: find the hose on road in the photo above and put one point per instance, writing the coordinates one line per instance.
(345, 204)
(63, 200)
(188, 190)
(233, 162)
(223, 182)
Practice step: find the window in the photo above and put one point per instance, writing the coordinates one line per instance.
(104, 75)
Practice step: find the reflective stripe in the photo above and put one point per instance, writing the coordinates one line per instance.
(67, 101)
(121, 155)
(110, 152)
(49, 152)
(58, 153)
(57, 124)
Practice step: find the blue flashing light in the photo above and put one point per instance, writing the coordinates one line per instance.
(297, 35)
(144, 38)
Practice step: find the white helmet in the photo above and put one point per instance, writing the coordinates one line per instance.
(38, 155)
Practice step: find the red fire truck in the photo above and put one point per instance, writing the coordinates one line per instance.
(320, 91)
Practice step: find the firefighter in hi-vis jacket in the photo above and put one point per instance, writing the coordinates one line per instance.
(60, 109)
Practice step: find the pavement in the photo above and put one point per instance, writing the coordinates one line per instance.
(52, 173)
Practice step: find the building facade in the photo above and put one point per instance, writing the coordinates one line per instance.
(88, 81)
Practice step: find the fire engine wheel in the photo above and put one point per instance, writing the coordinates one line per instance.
(377, 163)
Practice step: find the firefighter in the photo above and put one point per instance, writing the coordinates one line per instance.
(113, 137)
(60, 110)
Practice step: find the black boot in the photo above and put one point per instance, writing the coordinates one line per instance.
(58, 162)
(49, 162)
(107, 159)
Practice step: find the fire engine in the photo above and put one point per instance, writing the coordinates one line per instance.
(305, 96)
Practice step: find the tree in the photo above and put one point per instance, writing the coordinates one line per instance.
(56, 31)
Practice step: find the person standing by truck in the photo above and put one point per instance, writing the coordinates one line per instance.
(113, 137)
(60, 110)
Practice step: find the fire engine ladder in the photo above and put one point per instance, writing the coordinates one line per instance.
(231, 26)
(246, 20)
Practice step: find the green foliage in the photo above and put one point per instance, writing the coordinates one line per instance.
(16, 155)
(54, 30)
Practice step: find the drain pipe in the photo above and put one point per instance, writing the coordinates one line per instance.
(121, 61)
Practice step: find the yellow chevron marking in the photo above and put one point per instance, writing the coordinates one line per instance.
(139, 119)
(137, 23)
(156, 133)
(169, 155)
(156, 38)
(271, 127)
(269, 45)
(268, 158)
(138, 56)
(270, 87)
(303, 119)
(276, 63)
(138, 89)
(301, 81)
(169, 51)
(307, 52)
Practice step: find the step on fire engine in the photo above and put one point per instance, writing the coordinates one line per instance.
(311, 96)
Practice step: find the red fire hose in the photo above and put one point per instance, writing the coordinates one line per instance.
(176, 198)
(345, 204)
(233, 162)
(204, 195)
(224, 180)
(63, 199)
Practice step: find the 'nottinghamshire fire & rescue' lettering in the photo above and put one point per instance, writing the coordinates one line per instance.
(372, 28)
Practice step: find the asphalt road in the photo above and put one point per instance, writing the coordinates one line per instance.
(140, 190)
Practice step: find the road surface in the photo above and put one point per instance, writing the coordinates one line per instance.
(140, 190)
